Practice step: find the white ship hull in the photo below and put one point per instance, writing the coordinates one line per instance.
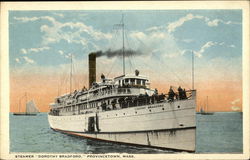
(163, 125)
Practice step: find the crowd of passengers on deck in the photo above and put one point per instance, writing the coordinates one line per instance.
(125, 102)
(142, 99)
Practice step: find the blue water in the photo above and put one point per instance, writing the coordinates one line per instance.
(218, 133)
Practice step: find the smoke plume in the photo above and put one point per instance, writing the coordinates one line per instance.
(113, 53)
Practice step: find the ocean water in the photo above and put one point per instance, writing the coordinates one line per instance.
(218, 133)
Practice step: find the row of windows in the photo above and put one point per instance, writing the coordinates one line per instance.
(82, 106)
(134, 81)
(91, 105)
(136, 111)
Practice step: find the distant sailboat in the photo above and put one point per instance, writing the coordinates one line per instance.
(202, 111)
(30, 108)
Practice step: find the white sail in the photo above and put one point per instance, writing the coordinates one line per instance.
(31, 107)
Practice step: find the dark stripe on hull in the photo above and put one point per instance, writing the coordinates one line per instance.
(20, 114)
(80, 134)
(159, 130)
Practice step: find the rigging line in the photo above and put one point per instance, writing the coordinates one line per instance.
(84, 79)
(115, 37)
(130, 58)
(126, 36)
(184, 83)
(178, 78)
(131, 65)
(63, 80)
(132, 61)
(133, 56)
(123, 47)
(115, 31)
(74, 78)
(111, 67)
(70, 75)
(166, 65)
(172, 72)
(150, 68)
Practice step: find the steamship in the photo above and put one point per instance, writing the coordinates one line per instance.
(126, 110)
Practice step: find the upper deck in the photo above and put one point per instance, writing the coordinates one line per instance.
(122, 86)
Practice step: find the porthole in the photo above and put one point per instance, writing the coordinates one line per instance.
(116, 114)
(123, 113)
(150, 110)
(163, 109)
(135, 112)
(178, 106)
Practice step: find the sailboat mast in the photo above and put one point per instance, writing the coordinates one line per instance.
(19, 105)
(26, 102)
(123, 53)
(207, 103)
(70, 73)
(192, 70)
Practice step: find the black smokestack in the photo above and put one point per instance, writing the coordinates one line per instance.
(113, 53)
(92, 69)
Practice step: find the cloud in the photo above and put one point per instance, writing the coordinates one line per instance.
(215, 22)
(72, 32)
(34, 50)
(171, 27)
(200, 52)
(187, 40)
(235, 104)
(235, 108)
(155, 28)
(32, 19)
(208, 45)
(60, 52)
(26, 19)
(138, 35)
(204, 47)
(66, 55)
(232, 46)
(69, 55)
(154, 43)
(23, 51)
(17, 60)
(38, 49)
(59, 14)
(235, 101)
(28, 60)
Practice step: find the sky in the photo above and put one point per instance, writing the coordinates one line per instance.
(41, 42)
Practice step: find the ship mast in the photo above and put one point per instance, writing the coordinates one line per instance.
(123, 53)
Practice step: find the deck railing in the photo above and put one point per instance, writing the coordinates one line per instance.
(136, 101)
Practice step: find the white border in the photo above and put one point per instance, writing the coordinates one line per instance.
(139, 5)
